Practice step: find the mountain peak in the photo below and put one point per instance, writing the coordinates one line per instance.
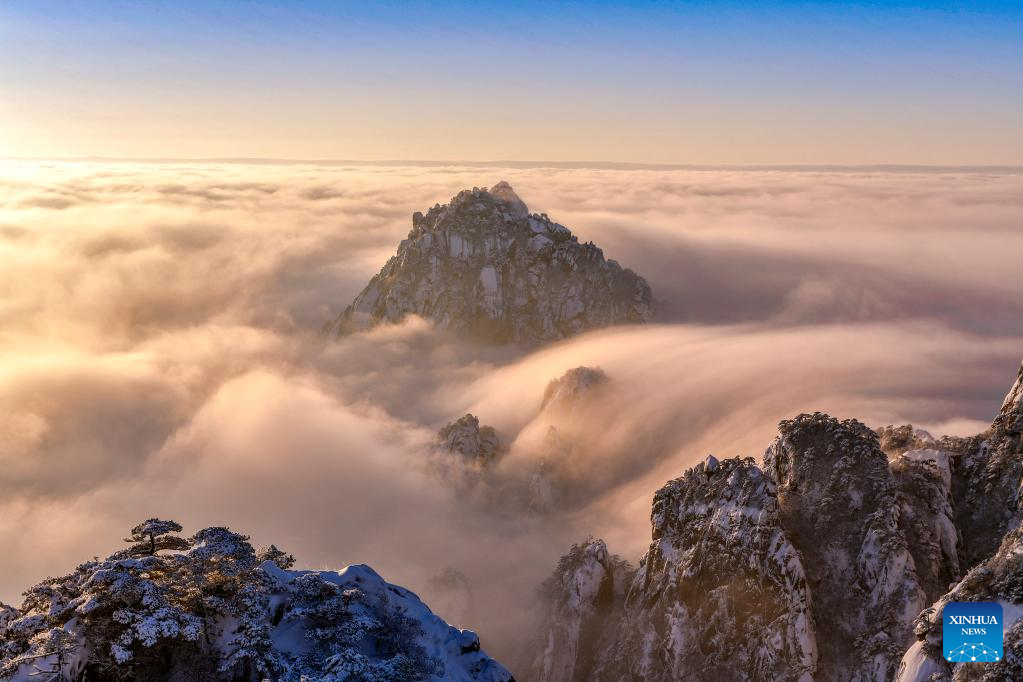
(1011, 415)
(505, 193)
(483, 267)
(573, 386)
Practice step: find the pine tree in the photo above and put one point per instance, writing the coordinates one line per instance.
(283, 560)
(153, 535)
(61, 645)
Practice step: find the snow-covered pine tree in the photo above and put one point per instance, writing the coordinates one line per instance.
(61, 645)
(154, 535)
(280, 557)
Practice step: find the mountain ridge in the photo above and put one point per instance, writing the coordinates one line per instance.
(875, 530)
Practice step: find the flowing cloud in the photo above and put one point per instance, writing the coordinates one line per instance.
(160, 354)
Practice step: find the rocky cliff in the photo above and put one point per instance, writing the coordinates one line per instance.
(821, 565)
(722, 593)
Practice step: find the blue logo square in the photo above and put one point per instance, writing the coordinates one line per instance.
(972, 632)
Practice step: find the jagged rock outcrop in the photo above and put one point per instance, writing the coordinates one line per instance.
(566, 412)
(477, 446)
(581, 599)
(820, 565)
(923, 480)
(209, 610)
(838, 502)
(572, 388)
(721, 594)
(896, 440)
(1010, 419)
(486, 268)
(987, 473)
(7, 614)
(999, 579)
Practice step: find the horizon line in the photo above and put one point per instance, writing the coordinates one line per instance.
(523, 164)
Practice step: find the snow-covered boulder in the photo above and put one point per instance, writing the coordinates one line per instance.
(820, 563)
(486, 268)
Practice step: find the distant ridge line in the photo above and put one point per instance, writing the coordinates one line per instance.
(572, 165)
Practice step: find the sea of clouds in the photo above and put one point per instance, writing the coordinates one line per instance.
(161, 355)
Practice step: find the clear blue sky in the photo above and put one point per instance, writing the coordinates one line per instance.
(705, 82)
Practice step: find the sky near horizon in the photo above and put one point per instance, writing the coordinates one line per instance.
(648, 82)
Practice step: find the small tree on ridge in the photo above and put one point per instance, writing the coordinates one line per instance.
(153, 535)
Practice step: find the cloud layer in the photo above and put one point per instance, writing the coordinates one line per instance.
(159, 352)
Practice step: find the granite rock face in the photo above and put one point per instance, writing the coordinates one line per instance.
(477, 446)
(839, 502)
(722, 593)
(987, 471)
(485, 268)
(575, 386)
(998, 579)
(582, 597)
(821, 564)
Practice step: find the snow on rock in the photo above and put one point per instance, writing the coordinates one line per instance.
(999, 579)
(721, 593)
(212, 611)
(820, 566)
(987, 471)
(476, 445)
(7, 614)
(924, 488)
(580, 600)
(936, 459)
(840, 504)
(896, 440)
(987, 475)
(411, 642)
(1011, 416)
(484, 267)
